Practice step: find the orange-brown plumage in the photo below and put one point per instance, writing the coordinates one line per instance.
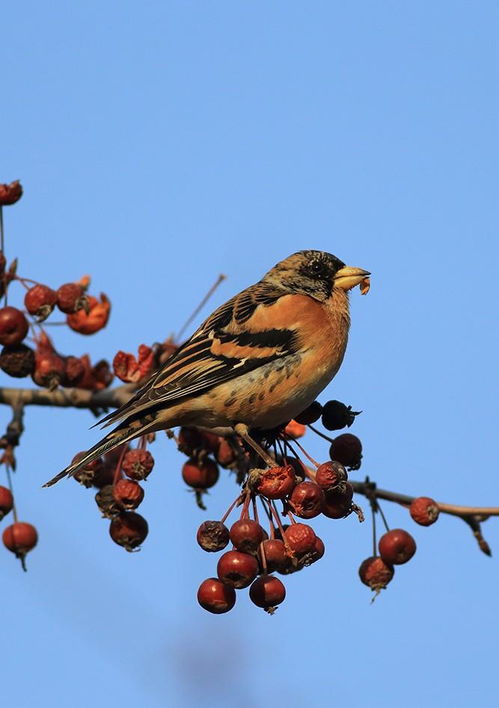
(258, 360)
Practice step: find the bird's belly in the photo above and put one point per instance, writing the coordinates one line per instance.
(271, 395)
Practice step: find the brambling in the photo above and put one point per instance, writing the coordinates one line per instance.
(259, 360)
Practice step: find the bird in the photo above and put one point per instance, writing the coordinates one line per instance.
(255, 363)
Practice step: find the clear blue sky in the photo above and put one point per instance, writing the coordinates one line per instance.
(161, 143)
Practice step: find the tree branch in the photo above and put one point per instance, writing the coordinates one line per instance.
(96, 401)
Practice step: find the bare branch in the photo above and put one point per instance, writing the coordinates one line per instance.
(95, 401)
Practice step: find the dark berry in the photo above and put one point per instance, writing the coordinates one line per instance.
(347, 449)
(336, 415)
(6, 501)
(17, 360)
(306, 500)
(71, 297)
(310, 414)
(375, 573)
(299, 538)
(338, 501)
(40, 300)
(128, 493)
(137, 464)
(273, 483)
(330, 474)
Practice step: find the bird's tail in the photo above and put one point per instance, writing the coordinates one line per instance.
(116, 437)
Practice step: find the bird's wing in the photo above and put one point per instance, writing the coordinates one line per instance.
(245, 333)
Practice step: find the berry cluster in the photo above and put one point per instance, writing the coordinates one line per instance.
(116, 476)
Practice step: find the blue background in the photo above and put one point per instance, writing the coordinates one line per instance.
(161, 143)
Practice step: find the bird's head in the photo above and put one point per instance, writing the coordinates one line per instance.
(315, 273)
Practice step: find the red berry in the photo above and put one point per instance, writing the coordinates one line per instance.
(71, 297)
(6, 501)
(267, 591)
(40, 300)
(94, 473)
(13, 326)
(192, 441)
(50, 369)
(276, 557)
(330, 474)
(225, 454)
(347, 449)
(215, 596)
(246, 535)
(310, 414)
(17, 360)
(375, 573)
(212, 536)
(300, 538)
(129, 530)
(10, 193)
(318, 550)
(20, 538)
(137, 464)
(128, 494)
(237, 569)
(424, 511)
(307, 500)
(200, 475)
(338, 501)
(273, 483)
(396, 546)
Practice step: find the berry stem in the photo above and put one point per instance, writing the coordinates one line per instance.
(302, 449)
(11, 487)
(236, 501)
(203, 302)
(318, 432)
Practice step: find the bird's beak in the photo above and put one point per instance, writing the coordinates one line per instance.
(348, 277)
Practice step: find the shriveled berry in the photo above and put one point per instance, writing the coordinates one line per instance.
(306, 500)
(396, 546)
(74, 371)
(71, 298)
(330, 474)
(6, 501)
(310, 415)
(137, 464)
(276, 557)
(300, 538)
(295, 430)
(200, 475)
(13, 326)
(128, 493)
(246, 535)
(212, 536)
(347, 449)
(267, 591)
(129, 530)
(273, 483)
(336, 415)
(20, 538)
(10, 193)
(375, 573)
(40, 300)
(107, 503)
(424, 511)
(237, 569)
(92, 318)
(85, 475)
(17, 360)
(216, 597)
(338, 501)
